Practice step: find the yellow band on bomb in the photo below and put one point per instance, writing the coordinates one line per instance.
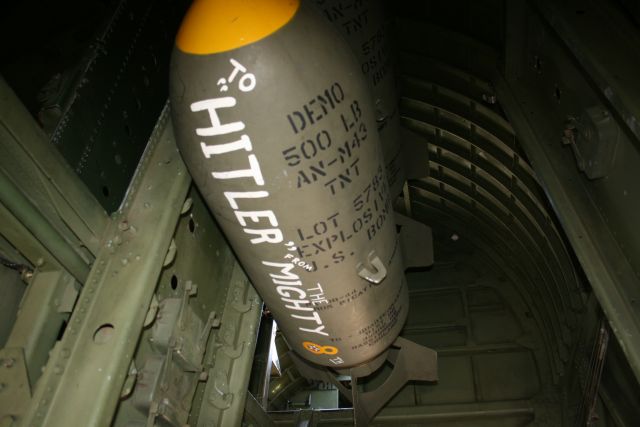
(213, 26)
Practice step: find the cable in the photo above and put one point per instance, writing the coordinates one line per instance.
(21, 268)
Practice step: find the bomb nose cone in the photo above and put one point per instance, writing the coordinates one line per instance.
(213, 26)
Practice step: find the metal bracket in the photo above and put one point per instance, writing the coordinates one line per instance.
(171, 253)
(129, 381)
(317, 372)
(376, 276)
(593, 137)
(256, 413)
(411, 362)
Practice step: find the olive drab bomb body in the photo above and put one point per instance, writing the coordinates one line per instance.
(365, 28)
(275, 123)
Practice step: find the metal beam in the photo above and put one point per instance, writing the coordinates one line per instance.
(456, 414)
(38, 170)
(89, 365)
(18, 204)
(611, 62)
(255, 414)
(606, 267)
(553, 73)
(40, 317)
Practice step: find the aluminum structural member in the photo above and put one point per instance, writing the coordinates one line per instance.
(275, 122)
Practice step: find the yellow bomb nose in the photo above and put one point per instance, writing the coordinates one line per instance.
(213, 26)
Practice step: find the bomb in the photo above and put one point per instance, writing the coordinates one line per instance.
(275, 122)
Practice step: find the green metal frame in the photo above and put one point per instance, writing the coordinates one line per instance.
(97, 348)
(59, 204)
(538, 98)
